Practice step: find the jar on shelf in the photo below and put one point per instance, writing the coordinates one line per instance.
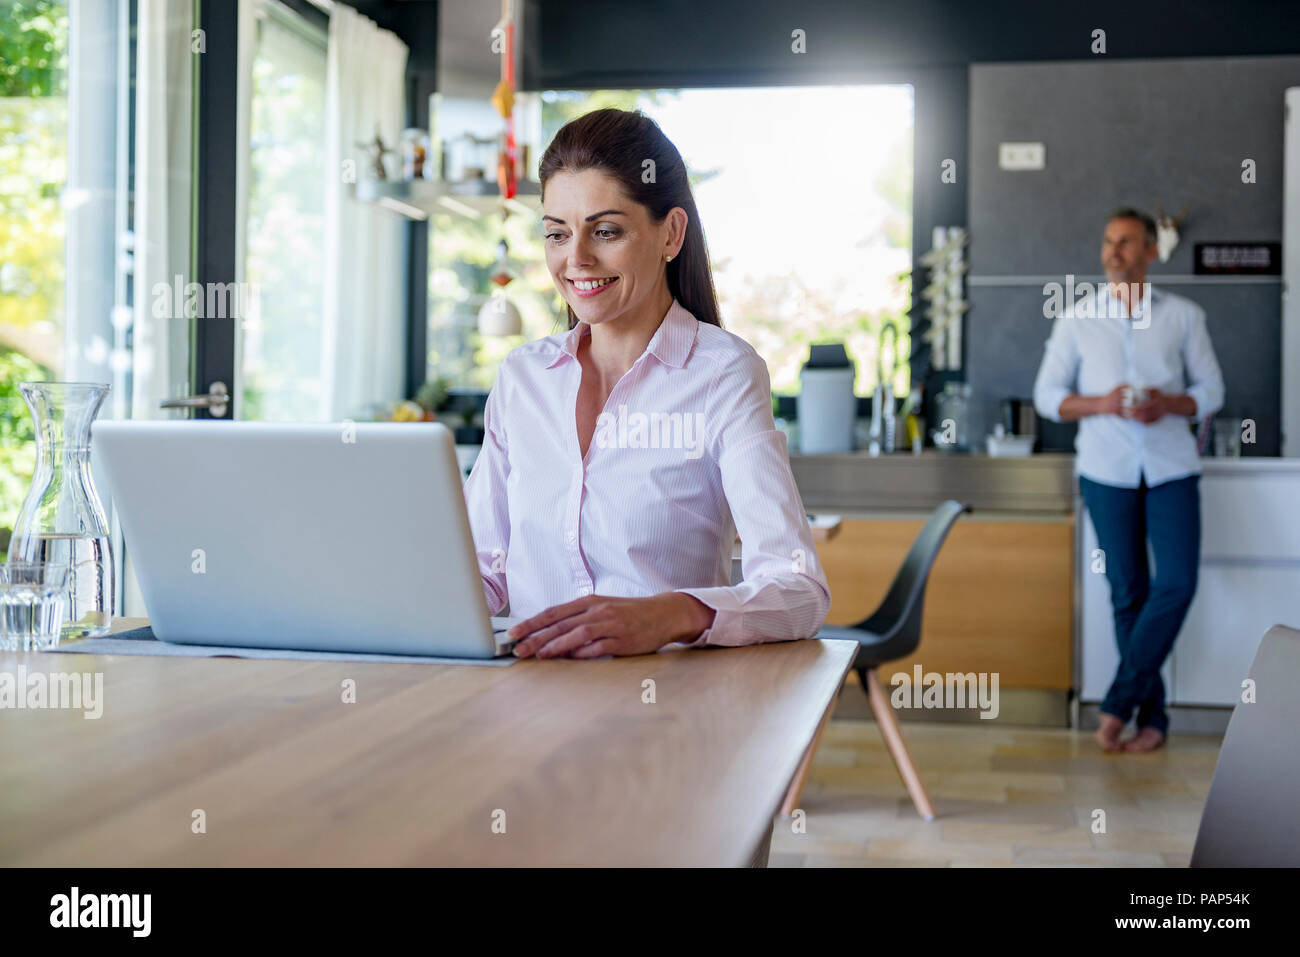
(955, 412)
(415, 154)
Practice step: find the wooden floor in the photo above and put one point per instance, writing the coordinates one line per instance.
(1005, 797)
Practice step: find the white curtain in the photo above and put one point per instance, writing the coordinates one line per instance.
(364, 337)
(163, 126)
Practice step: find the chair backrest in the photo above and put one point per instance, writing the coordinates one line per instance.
(1250, 815)
(900, 613)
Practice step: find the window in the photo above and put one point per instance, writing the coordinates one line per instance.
(805, 194)
(280, 356)
(33, 164)
(95, 203)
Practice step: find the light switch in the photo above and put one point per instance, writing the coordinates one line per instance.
(1017, 156)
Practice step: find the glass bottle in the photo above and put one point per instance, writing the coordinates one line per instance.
(415, 155)
(62, 519)
(953, 411)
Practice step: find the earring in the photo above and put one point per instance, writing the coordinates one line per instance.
(669, 259)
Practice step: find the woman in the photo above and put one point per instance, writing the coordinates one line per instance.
(622, 457)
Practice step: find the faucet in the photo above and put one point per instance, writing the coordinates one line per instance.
(883, 425)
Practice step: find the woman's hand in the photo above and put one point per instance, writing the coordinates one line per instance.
(599, 625)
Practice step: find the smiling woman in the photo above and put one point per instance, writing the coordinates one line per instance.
(625, 547)
(648, 170)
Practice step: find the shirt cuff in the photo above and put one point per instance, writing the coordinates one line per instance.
(1200, 395)
(1049, 402)
(495, 601)
(728, 625)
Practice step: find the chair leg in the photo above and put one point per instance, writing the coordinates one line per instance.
(893, 735)
(801, 775)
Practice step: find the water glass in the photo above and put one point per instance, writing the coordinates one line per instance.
(1227, 438)
(33, 603)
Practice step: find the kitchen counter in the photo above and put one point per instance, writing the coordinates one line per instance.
(854, 483)
(1265, 464)
(857, 481)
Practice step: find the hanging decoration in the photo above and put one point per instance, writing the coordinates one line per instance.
(499, 316)
(502, 274)
(503, 98)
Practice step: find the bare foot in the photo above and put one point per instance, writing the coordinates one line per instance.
(1147, 739)
(1108, 733)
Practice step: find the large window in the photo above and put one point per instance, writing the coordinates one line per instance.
(280, 355)
(33, 164)
(805, 194)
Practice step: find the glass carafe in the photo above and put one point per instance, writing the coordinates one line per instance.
(62, 519)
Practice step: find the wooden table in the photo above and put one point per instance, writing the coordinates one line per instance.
(563, 753)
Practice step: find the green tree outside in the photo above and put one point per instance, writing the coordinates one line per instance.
(33, 171)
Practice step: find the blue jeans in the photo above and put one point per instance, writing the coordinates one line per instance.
(1148, 612)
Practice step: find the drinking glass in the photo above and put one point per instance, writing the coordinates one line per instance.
(33, 596)
(1227, 438)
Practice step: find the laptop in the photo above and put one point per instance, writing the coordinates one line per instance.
(345, 537)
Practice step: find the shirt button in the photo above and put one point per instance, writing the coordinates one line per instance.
(571, 537)
(584, 590)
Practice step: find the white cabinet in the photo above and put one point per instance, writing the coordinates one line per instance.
(1234, 606)
(1249, 580)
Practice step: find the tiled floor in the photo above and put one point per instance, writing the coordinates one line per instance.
(1005, 797)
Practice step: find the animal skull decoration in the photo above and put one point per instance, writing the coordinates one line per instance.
(1167, 232)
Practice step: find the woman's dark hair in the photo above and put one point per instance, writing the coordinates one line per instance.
(618, 143)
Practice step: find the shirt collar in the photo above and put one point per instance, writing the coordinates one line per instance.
(671, 343)
(1155, 296)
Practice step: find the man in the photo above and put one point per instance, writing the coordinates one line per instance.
(1135, 372)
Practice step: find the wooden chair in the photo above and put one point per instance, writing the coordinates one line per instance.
(892, 632)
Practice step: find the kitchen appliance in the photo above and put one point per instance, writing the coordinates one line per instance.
(827, 405)
(1019, 417)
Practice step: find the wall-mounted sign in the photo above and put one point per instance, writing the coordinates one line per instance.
(1249, 259)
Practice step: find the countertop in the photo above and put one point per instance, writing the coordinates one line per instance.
(1041, 484)
(1033, 485)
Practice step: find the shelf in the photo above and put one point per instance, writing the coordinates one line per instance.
(421, 198)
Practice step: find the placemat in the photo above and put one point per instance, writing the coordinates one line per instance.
(141, 641)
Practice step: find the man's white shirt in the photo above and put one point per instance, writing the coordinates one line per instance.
(1091, 356)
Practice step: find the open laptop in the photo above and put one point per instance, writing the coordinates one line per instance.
(325, 537)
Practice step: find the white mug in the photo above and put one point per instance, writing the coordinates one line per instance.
(1133, 396)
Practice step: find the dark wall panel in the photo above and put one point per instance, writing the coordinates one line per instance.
(1171, 132)
(615, 43)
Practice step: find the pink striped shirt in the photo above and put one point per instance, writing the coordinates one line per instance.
(684, 456)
